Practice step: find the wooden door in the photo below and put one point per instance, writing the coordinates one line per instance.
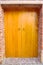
(21, 35)
(29, 34)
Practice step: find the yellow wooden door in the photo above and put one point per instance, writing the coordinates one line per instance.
(21, 35)
(29, 34)
(12, 34)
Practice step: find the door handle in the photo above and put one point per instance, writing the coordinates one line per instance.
(18, 28)
(23, 29)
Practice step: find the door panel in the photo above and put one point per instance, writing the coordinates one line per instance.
(12, 34)
(29, 34)
(21, 35)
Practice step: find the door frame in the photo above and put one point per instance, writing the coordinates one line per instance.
(38, 8)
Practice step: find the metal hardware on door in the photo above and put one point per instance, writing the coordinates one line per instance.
(18, 28)
(23, 28)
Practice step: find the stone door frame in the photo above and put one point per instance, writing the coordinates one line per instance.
(40, 28)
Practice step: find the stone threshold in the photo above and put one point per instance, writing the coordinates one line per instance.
(21, 61)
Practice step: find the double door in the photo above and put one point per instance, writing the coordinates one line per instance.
(21, 34)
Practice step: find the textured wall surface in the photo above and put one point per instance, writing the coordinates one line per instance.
(40, 34)
(42, 37)
(1, 35)
(21, 0)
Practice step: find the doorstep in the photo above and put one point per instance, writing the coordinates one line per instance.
(21, 61)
